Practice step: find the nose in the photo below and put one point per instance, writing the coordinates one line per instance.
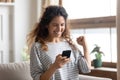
(59, 28)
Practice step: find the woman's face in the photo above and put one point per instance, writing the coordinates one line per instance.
(56, 27)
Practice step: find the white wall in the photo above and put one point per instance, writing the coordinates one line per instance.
(5, 25)
(26, 13)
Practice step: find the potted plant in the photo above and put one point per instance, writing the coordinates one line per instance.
(97, 62)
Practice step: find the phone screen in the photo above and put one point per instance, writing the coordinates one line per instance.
(66, 53)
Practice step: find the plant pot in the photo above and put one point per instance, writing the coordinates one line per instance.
(97, 63)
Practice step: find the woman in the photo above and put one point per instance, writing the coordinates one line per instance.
(48, 40)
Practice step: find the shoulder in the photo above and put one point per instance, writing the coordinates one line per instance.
(36, 44)
(36, 48)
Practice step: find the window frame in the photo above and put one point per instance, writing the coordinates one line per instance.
(97, 22)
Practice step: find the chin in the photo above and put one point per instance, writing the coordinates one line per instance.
(58, 35)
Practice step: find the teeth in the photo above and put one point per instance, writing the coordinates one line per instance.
(57, 32)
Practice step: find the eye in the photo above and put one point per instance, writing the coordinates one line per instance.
(62, 24)
(55, 25)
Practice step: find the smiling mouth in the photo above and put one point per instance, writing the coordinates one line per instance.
(57, 32)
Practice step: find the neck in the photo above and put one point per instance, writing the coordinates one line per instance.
(54, 40)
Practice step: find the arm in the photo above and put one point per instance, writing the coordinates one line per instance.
(87, 55)
(47, 74)
(81, 40)
(37, 69)
(59, 62)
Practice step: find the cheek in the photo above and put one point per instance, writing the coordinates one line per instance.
(63, 29)
(51, 30)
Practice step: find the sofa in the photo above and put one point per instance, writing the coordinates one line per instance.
(15, 71)
(21, 71)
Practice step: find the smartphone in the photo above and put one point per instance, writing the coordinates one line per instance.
(66, 53)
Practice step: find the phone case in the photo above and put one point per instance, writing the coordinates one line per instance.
(66, 53)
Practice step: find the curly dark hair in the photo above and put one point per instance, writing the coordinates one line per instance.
(40, 32)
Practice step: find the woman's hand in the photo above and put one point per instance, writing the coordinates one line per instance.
(81, 41)
(60, 61)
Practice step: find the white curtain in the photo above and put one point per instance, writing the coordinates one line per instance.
(46, 3)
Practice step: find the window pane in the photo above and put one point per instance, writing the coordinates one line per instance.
(90, 8)
(103, 37)
(76, 33)
(114, 44)
(113, 7)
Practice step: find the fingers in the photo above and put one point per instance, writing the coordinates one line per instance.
(62, 58)
(61, 61)
(64, 61)
(81, 38)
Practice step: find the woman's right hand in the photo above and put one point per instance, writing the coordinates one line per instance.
(60, 61)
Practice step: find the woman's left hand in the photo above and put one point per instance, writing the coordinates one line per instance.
(81, 41)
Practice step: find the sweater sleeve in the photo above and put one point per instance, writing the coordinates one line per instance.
(82, 64)
(36, 68)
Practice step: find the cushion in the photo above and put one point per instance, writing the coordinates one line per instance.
(15, 71)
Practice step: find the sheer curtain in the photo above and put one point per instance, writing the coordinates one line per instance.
(46, 3)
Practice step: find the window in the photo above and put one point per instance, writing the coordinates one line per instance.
(90, 8)
(96, 20)
(104, 37)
